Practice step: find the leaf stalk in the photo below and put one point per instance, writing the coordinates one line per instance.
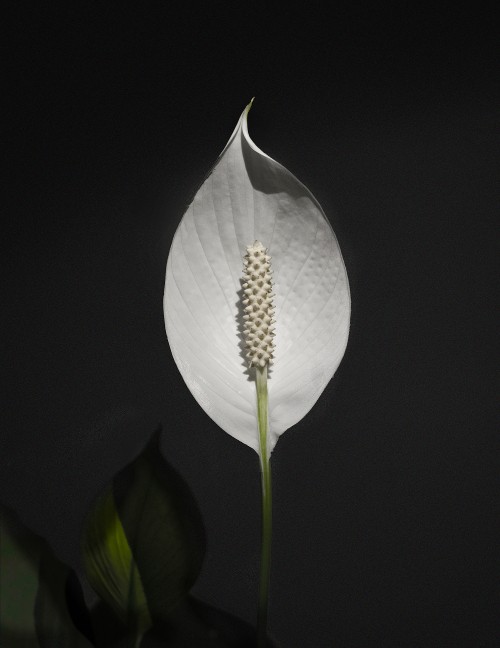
(265, 561)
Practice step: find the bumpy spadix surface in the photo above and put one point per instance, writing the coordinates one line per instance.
(249, 197)
(258, 305)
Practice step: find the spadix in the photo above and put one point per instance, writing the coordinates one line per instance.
(258, 305)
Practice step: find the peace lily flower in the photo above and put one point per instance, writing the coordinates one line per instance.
(250, 218)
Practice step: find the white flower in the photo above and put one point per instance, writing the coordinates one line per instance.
(249, 197)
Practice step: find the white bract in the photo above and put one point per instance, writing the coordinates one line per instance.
(250, 197)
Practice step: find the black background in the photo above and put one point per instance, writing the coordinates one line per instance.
(384, 494)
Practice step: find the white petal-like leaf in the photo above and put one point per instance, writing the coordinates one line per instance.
(248, 196)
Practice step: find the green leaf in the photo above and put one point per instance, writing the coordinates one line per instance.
(143, 542)
(19, 555)
(54, 626)
(33, 610)
(111, 567)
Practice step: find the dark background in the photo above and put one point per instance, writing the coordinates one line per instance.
(384, 494)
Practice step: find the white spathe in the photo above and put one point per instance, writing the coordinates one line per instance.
(247, 197)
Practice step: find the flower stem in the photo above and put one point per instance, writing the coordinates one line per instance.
(265, 561)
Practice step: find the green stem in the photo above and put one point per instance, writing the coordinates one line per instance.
(265, 561)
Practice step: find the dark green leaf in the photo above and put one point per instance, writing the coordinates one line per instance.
(33, 611)
(164, 528)
(54, 626)
(143, 542)
(19, 556)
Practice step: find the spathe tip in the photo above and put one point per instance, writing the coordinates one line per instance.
(247, 110)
